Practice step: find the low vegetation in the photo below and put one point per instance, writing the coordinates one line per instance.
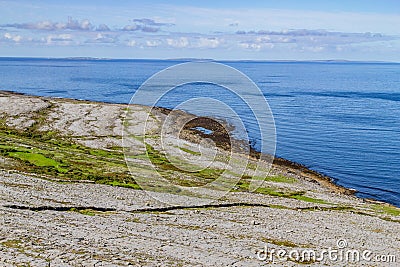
(46, 153)
(54, 156)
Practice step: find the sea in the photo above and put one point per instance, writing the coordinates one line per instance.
(339, 118)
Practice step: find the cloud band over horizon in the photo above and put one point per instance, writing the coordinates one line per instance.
(231, 36)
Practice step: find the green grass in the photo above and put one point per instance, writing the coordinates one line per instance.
(280, 179)
(159, 160)
(126, 185)
(309, 199)
(46, 153)
(243, 185)
(390, 210)
(37, 160)
(87, 212)
(275, 178)
(190, 151)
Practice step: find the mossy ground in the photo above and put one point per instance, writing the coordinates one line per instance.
(46, 153)
(56, 156)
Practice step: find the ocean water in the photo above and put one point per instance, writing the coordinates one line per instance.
(341, 119)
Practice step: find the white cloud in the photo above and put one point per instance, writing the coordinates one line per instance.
(181, 42)
(257, 46)
(233, 30)
(131, 43)
(132, 27)
(13, 37)
(47, 25)
(314, 49)
(152, 43)
(142, 28)
(208, 42)
(102, 38)
(251, 46)
(263, 39)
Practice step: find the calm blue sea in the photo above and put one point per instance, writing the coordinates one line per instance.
(341, 119)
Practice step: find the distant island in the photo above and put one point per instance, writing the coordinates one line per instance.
(200, 59)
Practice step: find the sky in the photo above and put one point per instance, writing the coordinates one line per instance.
(362, 30)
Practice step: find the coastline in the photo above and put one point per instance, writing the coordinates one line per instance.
(67, 197)
(291, 165)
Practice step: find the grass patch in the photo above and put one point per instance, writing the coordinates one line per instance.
(159, 160)
(87, 212)
(47, 154)
(243, 185)
(309, 199)
(37, 160)
(32, 156)
(190, 151)
(275, 178)
(280, 179)
(390, 210)
(126, 185)
(272, 192)
(116, 148)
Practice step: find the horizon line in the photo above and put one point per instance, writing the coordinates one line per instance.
(208, 59)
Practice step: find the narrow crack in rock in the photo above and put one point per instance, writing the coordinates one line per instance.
(164, 209)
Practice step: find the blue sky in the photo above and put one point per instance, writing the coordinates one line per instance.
(258, 30)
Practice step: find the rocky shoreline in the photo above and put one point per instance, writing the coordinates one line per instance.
(67, 198)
